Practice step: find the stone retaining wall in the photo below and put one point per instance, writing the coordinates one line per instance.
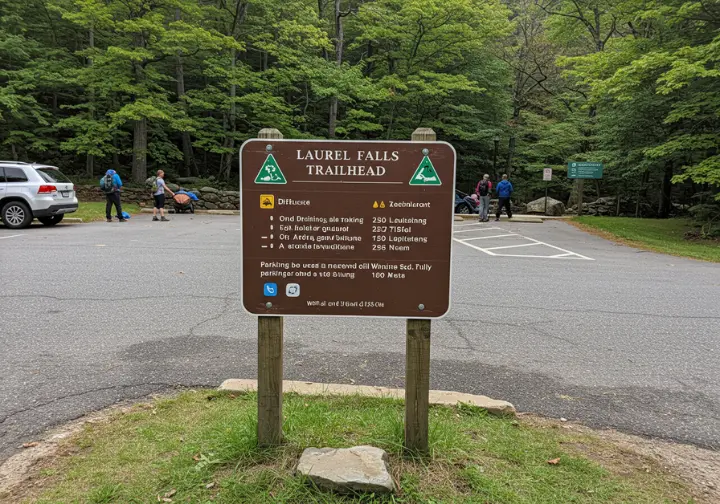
(209, 197)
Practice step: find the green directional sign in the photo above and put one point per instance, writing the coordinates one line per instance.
(270, 173)
(585, 170)
(425, 174)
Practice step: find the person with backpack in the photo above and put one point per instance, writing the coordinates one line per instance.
(483, 192)
(504, 190)
(110, 185)
(159, 187)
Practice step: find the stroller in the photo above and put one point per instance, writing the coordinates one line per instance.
(183, 202)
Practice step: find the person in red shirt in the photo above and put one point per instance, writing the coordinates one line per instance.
(483, 191)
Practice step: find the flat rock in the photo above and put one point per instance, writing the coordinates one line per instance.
(444, 397)
(347, 470)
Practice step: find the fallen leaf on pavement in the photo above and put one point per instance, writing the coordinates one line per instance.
(30, 445)
(554, 461)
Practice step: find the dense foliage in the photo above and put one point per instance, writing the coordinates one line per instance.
(179, 84)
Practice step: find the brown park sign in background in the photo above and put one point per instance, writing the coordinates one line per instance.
(346, 228)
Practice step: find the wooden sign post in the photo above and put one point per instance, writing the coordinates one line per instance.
(270, 364)
(346, 228)
(417, 363)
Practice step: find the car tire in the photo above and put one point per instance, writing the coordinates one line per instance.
(16, 215)
(51, 220)
(463, 208)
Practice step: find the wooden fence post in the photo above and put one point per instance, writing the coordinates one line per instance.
(417, 363)
(270, 364)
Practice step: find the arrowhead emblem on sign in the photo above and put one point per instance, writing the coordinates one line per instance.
(425, 174)
(270, 173)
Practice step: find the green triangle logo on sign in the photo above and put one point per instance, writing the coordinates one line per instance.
(425, 174)
(270, 173)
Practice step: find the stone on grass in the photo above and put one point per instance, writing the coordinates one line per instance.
(347, 470)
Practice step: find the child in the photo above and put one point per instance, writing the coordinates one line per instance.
(159, 188)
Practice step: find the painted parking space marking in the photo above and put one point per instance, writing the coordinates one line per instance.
(489, 237)
(11, 236)
(497, 248)
(475, 230)
(513, 246)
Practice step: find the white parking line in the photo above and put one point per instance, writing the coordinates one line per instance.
(479, 229)
(488, 237)
(11, 236)
(565, 254)
(514, 246)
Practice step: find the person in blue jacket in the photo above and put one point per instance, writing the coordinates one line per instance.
(110, 185)
(504, 190)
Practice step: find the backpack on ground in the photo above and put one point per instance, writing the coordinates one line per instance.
(108, 185)
(484, 189)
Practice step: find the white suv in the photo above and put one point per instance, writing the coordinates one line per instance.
(30, 191)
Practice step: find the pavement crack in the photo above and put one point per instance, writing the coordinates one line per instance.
(225, 309)
(459, 332)
(79, 394)
(587, 310)
(115, 300)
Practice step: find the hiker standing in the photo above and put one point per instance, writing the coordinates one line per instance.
(504, 189)
(159, 188)
(110, 185)
(483, 192)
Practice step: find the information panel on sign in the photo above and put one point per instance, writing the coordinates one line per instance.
(547, 174)
(585, 170)
(343, 228)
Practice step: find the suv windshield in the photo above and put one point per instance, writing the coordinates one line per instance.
(52, 175)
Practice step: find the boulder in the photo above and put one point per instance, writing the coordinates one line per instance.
(212, 197)
(554, 207)
(210, 206)
(226, 206)
(173, 187)
(188, 180)
(347, 470)
(209, 190)
(232, 194)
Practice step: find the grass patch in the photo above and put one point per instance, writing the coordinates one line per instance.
(95, 210)
(200, 447)
(659, 235)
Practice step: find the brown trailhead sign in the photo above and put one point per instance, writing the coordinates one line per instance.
(346, 228)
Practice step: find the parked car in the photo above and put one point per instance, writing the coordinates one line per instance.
(464, 204)
(29, 191)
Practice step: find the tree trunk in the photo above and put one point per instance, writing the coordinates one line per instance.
(140, 138)
(230, 126)
(90, 160)
(665, 204)
(188, 156)
(339, 41)
(511, 151)
(89, 165)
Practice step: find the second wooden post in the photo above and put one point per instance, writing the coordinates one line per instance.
(270, 364)
(417, 363)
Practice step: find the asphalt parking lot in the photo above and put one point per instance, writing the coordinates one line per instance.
(554, 320)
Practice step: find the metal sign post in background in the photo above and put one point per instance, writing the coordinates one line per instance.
(582, 170)
(547, 177)
(346, 228)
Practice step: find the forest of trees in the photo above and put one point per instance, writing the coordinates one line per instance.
(515, 85)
